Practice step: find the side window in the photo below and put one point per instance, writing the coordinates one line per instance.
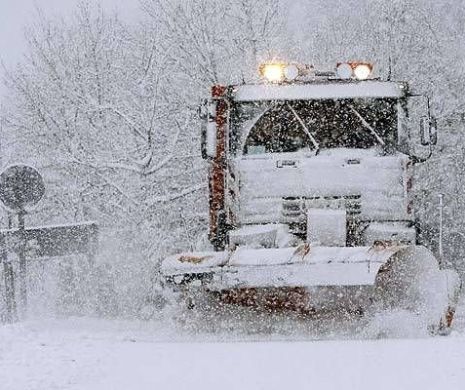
(241, 115)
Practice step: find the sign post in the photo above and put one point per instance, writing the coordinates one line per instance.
(21, 188)
(9, 281)
(22, 261)
(8, 274)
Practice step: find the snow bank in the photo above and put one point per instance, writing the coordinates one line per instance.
(101, 355)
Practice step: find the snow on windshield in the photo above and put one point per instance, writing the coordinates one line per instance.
(273, 127)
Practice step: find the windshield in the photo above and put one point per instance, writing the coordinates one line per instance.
(291, 126)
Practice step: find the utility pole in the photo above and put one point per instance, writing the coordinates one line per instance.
(441, 217)
(22, 261)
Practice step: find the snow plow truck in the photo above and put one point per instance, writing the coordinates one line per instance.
(311, 207)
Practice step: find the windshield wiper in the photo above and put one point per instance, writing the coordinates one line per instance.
(367, 125)
(307, 131)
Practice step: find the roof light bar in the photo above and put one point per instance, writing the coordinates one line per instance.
(278, 72)
(357, 70)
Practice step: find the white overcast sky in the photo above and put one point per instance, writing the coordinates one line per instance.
(16, 14)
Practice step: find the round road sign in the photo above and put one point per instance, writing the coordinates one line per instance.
(21, 187)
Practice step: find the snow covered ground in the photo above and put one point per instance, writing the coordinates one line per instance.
(91, 354)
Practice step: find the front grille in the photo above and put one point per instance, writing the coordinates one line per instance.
(294, 209)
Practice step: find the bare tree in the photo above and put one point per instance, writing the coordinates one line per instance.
(212, 42)
(94, 108)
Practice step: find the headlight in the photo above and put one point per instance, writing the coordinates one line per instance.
(362, 71)
(357, 70)
(291, 72)
(344, 70)
(178, 279)
(273, 72)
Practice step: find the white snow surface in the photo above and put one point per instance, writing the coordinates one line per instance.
(91, 354)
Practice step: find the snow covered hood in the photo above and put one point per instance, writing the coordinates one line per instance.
(326, 90)
(267, 179)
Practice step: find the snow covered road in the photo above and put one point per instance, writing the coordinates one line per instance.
(86, 354)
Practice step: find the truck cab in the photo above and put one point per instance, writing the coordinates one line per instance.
(341, 143)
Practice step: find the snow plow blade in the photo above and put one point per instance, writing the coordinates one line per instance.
(284, 267)
(382, 277)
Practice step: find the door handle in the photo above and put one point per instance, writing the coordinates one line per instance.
(286, 163)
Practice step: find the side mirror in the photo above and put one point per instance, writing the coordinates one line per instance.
(202, 110)
(422, 127)
(424, 130)
(428, 131)
(207, 114)
(433, 131)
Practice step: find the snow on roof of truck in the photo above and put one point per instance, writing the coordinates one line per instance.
(322, 90)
